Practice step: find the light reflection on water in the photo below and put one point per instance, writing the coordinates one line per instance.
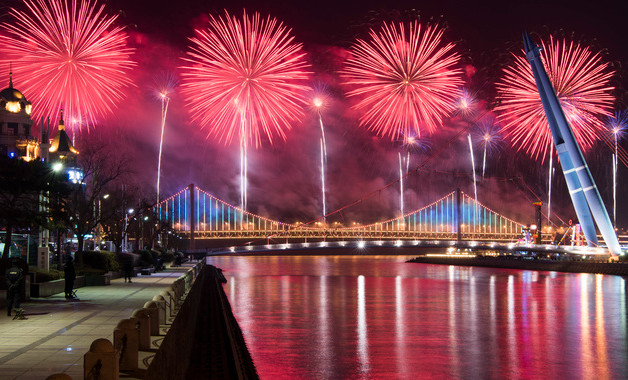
(338, 317)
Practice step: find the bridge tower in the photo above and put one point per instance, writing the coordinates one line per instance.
(192, 217)
(457, 213)
(582, 188)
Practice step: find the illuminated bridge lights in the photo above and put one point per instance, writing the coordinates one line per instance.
(194, 211)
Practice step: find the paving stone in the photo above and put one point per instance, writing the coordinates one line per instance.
(58, 333)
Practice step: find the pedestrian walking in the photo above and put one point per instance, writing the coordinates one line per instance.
(70, 276)
(14, 278)
(128, 268)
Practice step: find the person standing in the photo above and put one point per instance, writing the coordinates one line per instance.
(70, 275)
(14, 277)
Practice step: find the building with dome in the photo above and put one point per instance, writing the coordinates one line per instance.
(16, 139)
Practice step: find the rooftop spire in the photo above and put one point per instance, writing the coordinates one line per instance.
(10, 74)
(61, 123)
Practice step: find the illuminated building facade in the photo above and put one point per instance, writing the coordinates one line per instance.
(16, 139)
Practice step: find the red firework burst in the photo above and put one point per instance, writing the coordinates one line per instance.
(67, 54)
(405, 78)
(245, 78)
(582, 84)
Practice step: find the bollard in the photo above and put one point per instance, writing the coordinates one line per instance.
(102, 361)
(176, 289)
(59, 376)
(153, 310)
(126, 340)
(161, 303)
(168, 302)
(171, 302)
(143, 321)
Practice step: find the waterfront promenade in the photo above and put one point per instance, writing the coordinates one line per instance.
(58, 333)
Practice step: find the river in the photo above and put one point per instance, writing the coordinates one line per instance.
(378, 317)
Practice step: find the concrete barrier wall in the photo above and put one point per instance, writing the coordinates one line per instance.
(204, 340)
(133, 334)
(47, 289)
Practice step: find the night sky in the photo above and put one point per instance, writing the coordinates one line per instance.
(284, 178)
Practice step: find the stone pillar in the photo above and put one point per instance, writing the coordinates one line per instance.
(153, 313)
(161, 304)
(102, 361)
(59, 376)
(43, 258)
(143, 320)
(126, 340)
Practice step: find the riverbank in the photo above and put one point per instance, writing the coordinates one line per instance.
(619, 269)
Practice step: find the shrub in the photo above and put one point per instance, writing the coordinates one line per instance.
(103, 261)
(146, 258)
(45, 276)
(168, 257)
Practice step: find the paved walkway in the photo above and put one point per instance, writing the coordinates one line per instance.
(58, 333)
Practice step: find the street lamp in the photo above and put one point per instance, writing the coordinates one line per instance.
(99, 225)
(126, 221)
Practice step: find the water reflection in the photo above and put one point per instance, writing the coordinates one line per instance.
(379, 317)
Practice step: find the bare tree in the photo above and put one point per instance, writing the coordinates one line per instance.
(122, 196)
(102, 167)
(22, 185)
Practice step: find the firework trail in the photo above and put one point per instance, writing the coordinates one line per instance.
(165, 87)
(405, 79)
(475, 187)
(582, 84)
(400, 185)
(617, 125)
(550, 174)
(323, 158)
(67, 54)
(245, 79)
(319, 104)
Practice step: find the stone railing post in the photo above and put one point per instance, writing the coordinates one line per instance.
(59, 376)
(126, 340)
(102, 361)
(153, 310)
(163, 308)
(143, 321)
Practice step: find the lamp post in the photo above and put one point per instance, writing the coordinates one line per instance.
(57, 167)
(126, 221)
(99, 224)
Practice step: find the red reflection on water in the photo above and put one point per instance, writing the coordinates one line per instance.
(379, 317)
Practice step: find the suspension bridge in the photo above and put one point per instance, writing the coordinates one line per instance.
(197, 215)
(455, 221)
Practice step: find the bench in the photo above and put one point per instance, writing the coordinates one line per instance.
(147, 271)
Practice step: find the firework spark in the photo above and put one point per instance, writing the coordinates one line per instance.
(67, 54)
(581, 81)
(488, 135)
(248, 67)
(466, 103)
(405, 78)
(617, 126)
(245, 78)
